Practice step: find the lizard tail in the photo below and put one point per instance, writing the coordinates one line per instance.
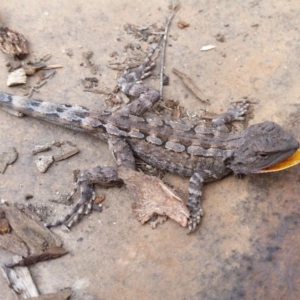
(70, 116)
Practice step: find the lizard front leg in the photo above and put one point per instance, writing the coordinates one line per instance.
(214, 172)
(235, 113)
(104, 176)
(210, 173)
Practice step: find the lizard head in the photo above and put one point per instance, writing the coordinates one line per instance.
(261, 146)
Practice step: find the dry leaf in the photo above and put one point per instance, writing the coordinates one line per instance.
(13, 43)
(153, 197)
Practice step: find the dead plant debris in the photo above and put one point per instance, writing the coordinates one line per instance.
(182, 24)
(157, 200)
(13, 43)
(16, 77)
(190, 84)
(51, 253)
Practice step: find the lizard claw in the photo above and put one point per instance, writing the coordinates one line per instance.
(238, 111)
(195, 219)
(235, 113)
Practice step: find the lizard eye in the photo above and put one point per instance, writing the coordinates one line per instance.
(262, 154)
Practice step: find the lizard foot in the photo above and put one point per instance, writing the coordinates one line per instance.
(104, 176)
(195, 219)
(235, 113)
(238, 111)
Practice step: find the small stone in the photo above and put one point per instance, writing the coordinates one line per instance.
(220, 38)
(99, 199)
(4, 226)
(182, 24)
(28, 196)
(43, 163)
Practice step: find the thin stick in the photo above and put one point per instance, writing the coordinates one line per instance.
(164, 44)
(49, 67)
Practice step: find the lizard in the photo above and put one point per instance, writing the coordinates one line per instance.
(203, 151)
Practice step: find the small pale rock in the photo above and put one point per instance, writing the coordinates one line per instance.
(207, 47)
(40, 148)
(7, 158)
(44, 162)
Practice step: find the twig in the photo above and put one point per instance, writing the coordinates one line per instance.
(175, 8)
(189, 83)
(48, 67)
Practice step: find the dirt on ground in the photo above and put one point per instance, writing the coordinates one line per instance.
(247, 246)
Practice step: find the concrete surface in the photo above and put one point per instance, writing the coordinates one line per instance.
(248, 243)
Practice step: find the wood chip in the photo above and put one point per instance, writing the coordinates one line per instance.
(48, 67)
(51, 253)
(27, 227)
(189, 83)
(66, 150)
(13, 244)
(65, 294)
(16, 77)
(13, 43)
(40, 148)
(20, 280)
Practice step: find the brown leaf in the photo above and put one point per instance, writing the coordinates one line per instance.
(152, 197)
(13, 43)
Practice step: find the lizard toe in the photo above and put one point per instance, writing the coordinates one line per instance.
(194, 220)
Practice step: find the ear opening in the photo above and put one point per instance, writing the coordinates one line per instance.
(228, 160)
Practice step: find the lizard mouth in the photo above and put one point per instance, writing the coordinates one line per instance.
(291, 161)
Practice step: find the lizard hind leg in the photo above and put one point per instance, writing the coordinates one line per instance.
(193, 205)
(104, 176)
(131, 85)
